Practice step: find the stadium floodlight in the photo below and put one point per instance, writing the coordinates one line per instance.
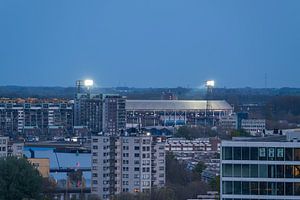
(88, 83)
(210, 83)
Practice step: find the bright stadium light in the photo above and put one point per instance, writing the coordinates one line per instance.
(88, 83)
(210, 83)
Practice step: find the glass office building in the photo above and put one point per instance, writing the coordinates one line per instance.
(260, 169)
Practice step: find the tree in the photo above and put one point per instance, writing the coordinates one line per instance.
(215, 184)
(19, 179)
(199, 168)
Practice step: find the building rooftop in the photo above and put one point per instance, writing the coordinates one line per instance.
(176, 105)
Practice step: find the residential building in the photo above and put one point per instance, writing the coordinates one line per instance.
(261, 168)
(127, 164)
(35, 118)
(4, 146)
(100, 113)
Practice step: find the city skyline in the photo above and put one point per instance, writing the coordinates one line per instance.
(150, 44)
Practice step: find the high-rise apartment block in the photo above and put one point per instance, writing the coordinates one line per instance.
(127, 164)
(100, 113)
(261, 168)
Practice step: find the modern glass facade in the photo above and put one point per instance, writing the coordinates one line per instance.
(257, 170)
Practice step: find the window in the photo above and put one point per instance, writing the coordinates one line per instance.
(289, 154)
(227, 153)
(272, 188)
(245, 153)
(136, 169)
(237, 154)
(227, 170)
(263, 171)
(245, 170)
(280, 171)
(245, 188)
(263, 188)
(137, 148)
(254, 188)
(95, 147)
(254, 153)
(289, 189)
(237, 170)
(262, 153)
(289, 171)
(296, 171)
(237, 189)
(279, 153)
(271, 153)
(297, 154)
(137, 155)
(227, 187)
(254, 171)
(272, 171)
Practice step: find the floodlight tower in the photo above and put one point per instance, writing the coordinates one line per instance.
(210, 84)
(88, 83)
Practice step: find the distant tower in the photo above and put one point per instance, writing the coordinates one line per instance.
(266, 80)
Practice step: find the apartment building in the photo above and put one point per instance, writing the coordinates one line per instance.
(261, 168)
(10, 148)
(35, 118)
(100, 113)
(127, 164)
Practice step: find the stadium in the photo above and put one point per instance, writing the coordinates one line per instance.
(153, 113)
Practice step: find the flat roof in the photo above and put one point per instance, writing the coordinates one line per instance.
(177, 105)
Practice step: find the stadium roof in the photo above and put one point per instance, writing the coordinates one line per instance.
(176, 105)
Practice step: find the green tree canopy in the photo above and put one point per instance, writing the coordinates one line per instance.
(19, 179)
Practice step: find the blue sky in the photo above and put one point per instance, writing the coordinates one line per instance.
(150, 43)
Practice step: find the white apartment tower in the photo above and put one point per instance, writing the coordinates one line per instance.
(127, 164)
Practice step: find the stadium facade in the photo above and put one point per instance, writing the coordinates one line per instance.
(155, 113)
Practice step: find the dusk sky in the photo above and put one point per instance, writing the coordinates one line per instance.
(150, 43)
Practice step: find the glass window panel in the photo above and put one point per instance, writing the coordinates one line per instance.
(289, 154)
(296, 189)
(279, 153)
(245, 153)
(296, 171)
(254, 188)
(297, 154)
(227, 170)
(227, 187)
(254, 171)
(263, 171)
(263, 188)
(254, 153)
(262, 153)
(245, 188)
(228, 153)
(245, 170)
(280, 171)
(237, 170)
(289, 189)
(271, 171)
(288, 171)
(237, 189)
(272, 189)
(271, 153)
(280, 188)
(237, 154)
